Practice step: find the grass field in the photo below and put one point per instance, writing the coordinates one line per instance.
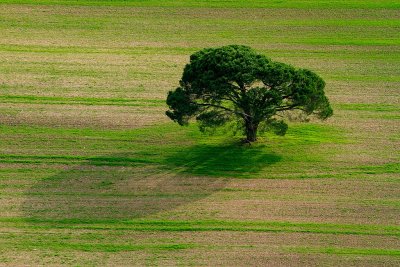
(93, 173)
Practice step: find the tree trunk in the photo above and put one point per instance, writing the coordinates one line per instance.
(251, 131)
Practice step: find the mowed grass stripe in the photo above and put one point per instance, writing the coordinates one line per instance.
(190, 195)
(373, 107)
(298, 4)
(38, 242)
(346, 251)
(113, 195)
(90, 247)
(81, 101)
(63, 159)
(287, 52)
(140, 50)
(95, 247)
(140, 160)
(172, 226)
(365, 36)
(101, 22)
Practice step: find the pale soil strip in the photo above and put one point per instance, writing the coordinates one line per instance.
(81, 116)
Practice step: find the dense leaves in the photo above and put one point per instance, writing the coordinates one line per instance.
(235, 83)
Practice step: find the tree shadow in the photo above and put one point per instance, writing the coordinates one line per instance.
(126, 186)
(114, 187)
(230, 160)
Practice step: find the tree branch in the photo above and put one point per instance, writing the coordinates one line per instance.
(291, 108)
(222, 107)
(224, 98)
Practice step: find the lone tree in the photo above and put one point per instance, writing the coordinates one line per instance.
(235, 83)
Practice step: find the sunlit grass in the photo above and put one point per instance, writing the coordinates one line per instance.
(182, 149)
(215, 3)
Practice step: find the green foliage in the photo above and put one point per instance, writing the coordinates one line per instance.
(235, 83)
(278, 127)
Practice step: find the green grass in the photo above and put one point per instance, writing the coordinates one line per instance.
(378, 107)
(177, 226)
(81, 101)
(215, 3)
(92, 247)
(316, 53)
(344, 251)
(384, 168)
(217, 155)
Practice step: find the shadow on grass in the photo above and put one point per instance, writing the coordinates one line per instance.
(231, 160)
(114, 191)
(120, 187)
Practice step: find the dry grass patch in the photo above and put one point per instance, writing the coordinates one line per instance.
(288, 210)
(105, 117)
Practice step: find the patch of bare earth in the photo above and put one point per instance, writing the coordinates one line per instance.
(85, 116)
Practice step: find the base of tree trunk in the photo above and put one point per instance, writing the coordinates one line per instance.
(249, 140)
(245, 142)
(252, 137)
(251, 131)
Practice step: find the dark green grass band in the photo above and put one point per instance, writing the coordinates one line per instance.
(81, 101)
(298, 4)
(171, 226)
(346, 251)
(91, 247)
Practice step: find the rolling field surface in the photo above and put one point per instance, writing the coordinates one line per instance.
(93, 173)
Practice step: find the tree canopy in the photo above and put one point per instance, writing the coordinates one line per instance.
(236, 84)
